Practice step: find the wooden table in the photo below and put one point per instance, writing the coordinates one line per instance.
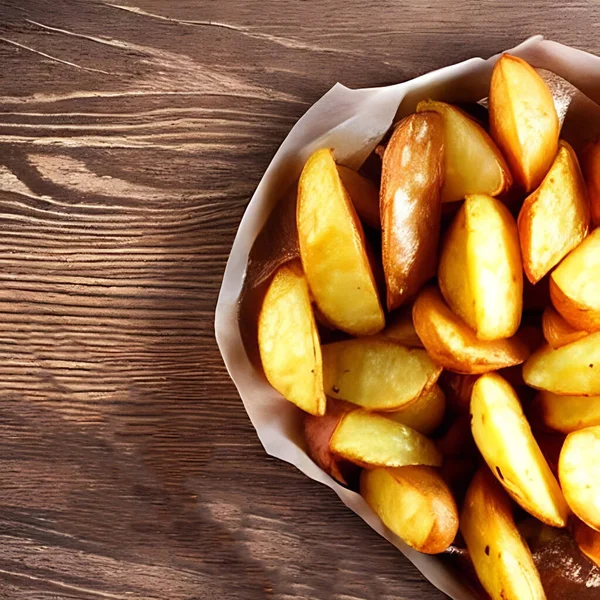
(132, 135)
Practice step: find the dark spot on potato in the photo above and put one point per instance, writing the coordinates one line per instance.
(514, 278)
(336, 389)
(499, 473)
(346, 371)
(487, 550)
(591, 365)
(312, 371)
(483, 419)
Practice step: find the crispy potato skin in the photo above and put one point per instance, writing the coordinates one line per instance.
(410, 204)
(557, 332)
(425, 414)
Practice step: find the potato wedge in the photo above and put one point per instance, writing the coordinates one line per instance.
(480, 273)
(557, 332)
(401, 329)
(317, 434)
(376, 373)
(523, 120)
(579, 474)
(501, 558)
(333, 250)
(288, 341)
(414, 503)
(425, 414)
(572, 370)
(555, 218)
(575, 285)
(588, 540)
(410, 205)
(473, 164)
(364, 195)
(567, 413)
(453, 344)
(590, 164)
(368, 439)
(505, 441)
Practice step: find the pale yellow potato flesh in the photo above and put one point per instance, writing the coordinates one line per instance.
(502, 559)
(377, 373)
(364, 195)
(425, 414)
(505, 441)
(588, 540)
(369, 439)
(414, 503)
(571, 370)
(523, 120)
(480, 273)
(333, 250)
(453, 344)
(567, 413)
(575, 285)
(579, 474)
(557, 332)
(401, 329)
(288, 341)
(473, 163)
(555, 218)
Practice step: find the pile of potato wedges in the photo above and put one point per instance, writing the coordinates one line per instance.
(442, 324)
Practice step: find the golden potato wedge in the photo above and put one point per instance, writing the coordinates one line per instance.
(333, 250)
(410, 205)
(590, 164)
(555, 218)
(369, 439)
(575, 285)
(317, 434)
(567, 413)
(572, 370)
(501, 558)
(588, 540)
(473, 164)
(414, 503)
(579, 474)
(376, 373)
(288, 341)
(453, 344)
(425, 414)
(505, 441)
(523, 120)
(364, 195)
(557, 332)
(480, 273)
(401, 329)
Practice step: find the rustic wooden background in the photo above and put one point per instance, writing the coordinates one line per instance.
(132, 135)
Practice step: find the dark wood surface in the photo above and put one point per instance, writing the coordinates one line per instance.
(131, 139)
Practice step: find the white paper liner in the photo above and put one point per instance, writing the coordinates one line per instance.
(352, 122)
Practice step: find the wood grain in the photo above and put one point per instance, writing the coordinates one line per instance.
(132, 135)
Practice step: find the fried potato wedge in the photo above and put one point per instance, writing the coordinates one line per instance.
(480, 273)
(401, 329)
(523, 120)
(425, 414)
(288, 340)
(575, 285)
(557, 332)
(571, 370)
(414, 503)
(410, 204)
(333, 250)
(579, 474)
(588, 540)
(364, 195)
(376, 373)
(505, 441)
(555, 218)
(317, 434)
(473, 164)
(590, 164)
(566, 413)
(369, 439)
(502, 559)
(453, 344)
